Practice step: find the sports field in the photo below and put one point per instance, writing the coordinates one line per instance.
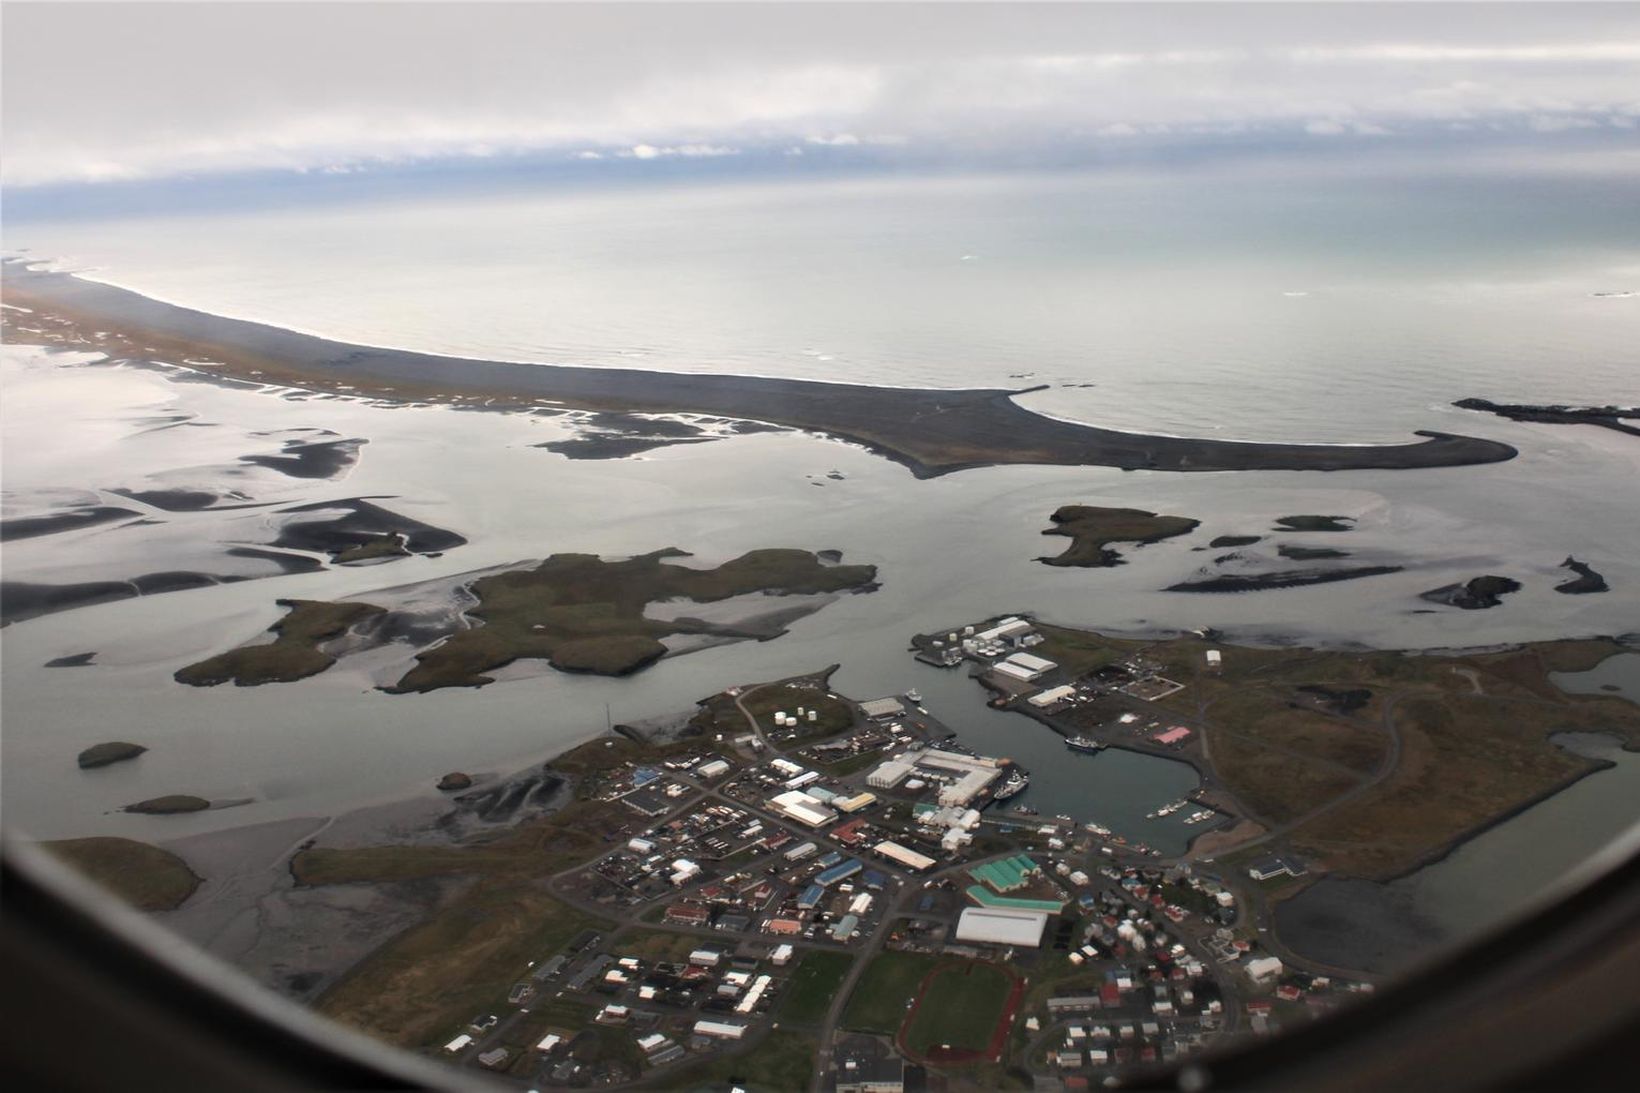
(958, 1014)
(879, 1001)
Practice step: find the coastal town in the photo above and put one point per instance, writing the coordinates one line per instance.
(821, 884)
(793, 888)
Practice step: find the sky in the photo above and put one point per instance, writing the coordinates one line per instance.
(111, 94)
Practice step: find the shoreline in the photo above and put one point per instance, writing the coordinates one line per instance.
(931, 432)
(1385, 887)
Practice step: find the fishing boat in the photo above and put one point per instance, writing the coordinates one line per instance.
(914, 696)
(1083, 744)
(1014, 785)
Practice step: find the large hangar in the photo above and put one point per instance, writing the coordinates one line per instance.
(1000, 926)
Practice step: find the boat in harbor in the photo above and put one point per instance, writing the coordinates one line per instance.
(1014, 785)
(1083, 744)
(1168, 810)
(915, 696)
(1200, 816)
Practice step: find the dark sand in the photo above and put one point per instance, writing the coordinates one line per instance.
(1586, 581)
(932, 432)
(27, 527)
(1352, 923)
(1608, 417)
(1476, 594)
(361, 522)
(1253, 582)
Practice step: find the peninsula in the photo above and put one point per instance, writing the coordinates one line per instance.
(931, 432)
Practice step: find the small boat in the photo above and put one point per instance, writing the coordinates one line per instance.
(1083, 744)
(1024, 810)
(1014, 785)
(914, 696)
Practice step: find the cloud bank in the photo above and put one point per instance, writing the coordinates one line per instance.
(96, 93)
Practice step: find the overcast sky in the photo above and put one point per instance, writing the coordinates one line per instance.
(94, 93)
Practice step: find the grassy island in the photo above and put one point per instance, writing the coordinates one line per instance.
(114, 751)
(293, 654)
(583, 614)
(1092, 528)
(144, 876)
(170, 805)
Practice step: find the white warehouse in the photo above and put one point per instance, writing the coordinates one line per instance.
(1001, 926)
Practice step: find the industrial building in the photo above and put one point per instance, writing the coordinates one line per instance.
(998, 926)
(1007, 875)
(845, 928)
(881, 709)
(839, 872)
(1011, 629)
(974, 774)
(1052, 697)
(720, 1030)
(889, 774)
(794, 804)
(1025, 667)
(905, 856)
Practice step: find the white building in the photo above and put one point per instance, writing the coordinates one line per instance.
(905, 856)
(717, 768)
(1033, 666)
(1264, 968)
(889, 774)
(881, 709)
(1002, 926)
(720, 1030)
(796, 805)
(1052, 697)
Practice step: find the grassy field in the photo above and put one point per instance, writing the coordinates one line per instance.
(293, 654)
(583, 614)
(882, 995)
(658, 945)
(144, 876)
(960, 1008)
(834, 715)
(1271, 719)
(719, 713)
(780, 1062)
(1465, 761)
(425, 983)
(1474, 734)
(1092, 529)
(1082, 651)
(813, 984)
